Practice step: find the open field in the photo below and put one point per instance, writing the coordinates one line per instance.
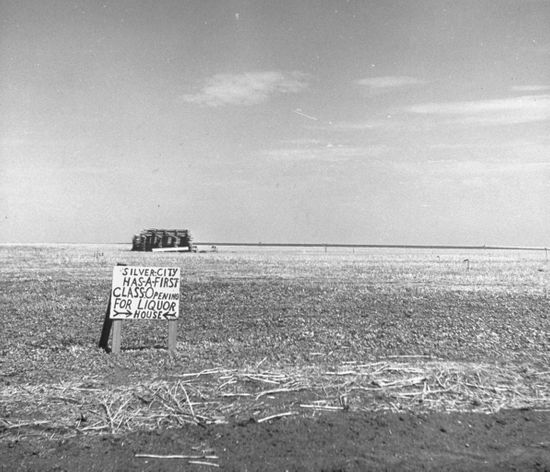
(302, 335)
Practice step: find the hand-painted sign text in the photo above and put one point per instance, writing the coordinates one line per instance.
(145, 293)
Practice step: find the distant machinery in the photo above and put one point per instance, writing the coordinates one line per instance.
(149, 239)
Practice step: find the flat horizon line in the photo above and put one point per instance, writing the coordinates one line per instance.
(312, 245)
(381, 246)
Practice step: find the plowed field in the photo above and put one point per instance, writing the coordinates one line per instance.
(286, 360)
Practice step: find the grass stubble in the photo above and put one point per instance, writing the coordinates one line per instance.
(265, 335)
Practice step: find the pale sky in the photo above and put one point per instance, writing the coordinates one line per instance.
(399, 122)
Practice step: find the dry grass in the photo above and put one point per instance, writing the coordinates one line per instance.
(227, 395)
(296, 333)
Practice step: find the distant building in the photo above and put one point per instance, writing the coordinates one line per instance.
(149, 239)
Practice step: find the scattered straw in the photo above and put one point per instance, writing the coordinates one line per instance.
(208, 464)
(277, 416)
(174, 456)
(218, 396)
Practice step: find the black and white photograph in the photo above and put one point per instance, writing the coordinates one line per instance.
(274, 235)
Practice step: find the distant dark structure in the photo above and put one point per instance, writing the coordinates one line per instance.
(150, 239)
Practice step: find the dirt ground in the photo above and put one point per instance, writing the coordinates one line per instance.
(360, 353)
(340, 441)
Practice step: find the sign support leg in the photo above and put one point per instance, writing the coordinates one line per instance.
(106, 331)
(172, 335)
(117, 325)
(107, 323)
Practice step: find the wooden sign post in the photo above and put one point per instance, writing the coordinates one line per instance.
(142, 293)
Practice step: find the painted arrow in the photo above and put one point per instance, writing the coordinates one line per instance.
(127, 313)
(169, 316)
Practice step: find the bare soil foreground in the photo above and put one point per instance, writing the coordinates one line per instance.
(509, 440)
(366, 360)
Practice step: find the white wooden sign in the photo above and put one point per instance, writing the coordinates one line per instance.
(145, 293)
